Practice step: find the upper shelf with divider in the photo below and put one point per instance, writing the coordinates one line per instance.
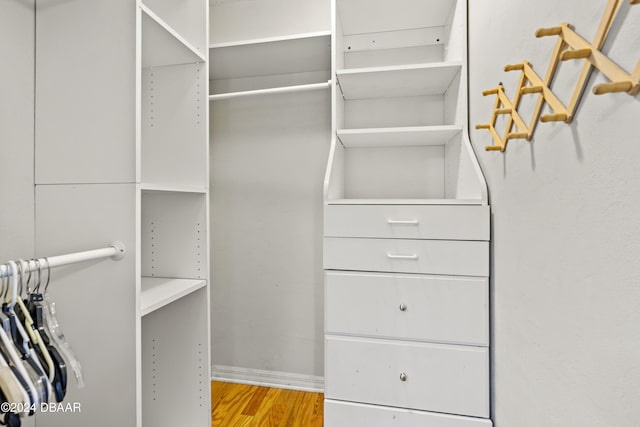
(270, 56)
(264, 66)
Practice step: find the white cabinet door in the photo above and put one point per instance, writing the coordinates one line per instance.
(430, 308)
(431, 377)
(407, 222)
(451, 257)
(347, 414)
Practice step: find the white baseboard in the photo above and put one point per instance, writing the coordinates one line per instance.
(275, 379)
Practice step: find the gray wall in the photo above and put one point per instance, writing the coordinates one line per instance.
(566, 228)
(16, 132)
(16, 128)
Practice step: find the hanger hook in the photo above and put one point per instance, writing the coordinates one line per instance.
(20, 276)
(29, 276)
(5, 282)
(39, 275)
(46, 286)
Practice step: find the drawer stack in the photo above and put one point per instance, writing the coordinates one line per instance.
(407, 315)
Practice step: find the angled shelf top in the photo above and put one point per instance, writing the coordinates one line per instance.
(271, 56)
(405, 202)
(398, 136)
(404, 80)
(366, 16)
(145, 186)
(162, 45)
(158, 292)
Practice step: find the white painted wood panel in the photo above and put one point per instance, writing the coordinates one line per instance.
(407, 222)
(96, 301)
(398, 136)
(348, 414)
(439, 378)
(452, 310)
(383, 15)
(86, 131)
(450, 257)
(174, 124)
(405, 80)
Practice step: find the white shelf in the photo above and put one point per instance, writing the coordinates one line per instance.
(397, 81)
(271, 56)
(162, 45)
(366, 16)
(172, 188)
(158, 292)
(405, 202)
(398, 136)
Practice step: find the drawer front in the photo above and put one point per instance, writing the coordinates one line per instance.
(407, 222)
(459, 258)
(431, 377)
(429, 308)
(347, 414)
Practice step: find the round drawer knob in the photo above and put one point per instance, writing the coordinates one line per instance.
(403, 307)
(403, 377)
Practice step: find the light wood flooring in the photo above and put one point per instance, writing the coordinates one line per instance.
(235, 405)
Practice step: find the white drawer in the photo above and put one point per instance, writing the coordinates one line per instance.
(452, 257)
(430, 308)
(439, 378)
(407, 222)
(347, 414)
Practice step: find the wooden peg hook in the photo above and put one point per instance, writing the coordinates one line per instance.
(546, 32)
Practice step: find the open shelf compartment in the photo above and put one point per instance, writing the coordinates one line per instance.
(175, 375)
(365, 16)
(404, 174)
(174, 233)
(397, 81)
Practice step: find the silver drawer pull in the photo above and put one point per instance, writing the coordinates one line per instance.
(396, 256)
(403, 376)
(403, 307)
(404, 221)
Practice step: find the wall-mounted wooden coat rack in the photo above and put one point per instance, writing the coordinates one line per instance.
(570, 46)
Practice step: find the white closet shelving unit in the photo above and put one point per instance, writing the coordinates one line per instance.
(406, 223)
(122, 151)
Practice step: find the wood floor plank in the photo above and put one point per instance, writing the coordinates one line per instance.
(238, 405)
(228, 409)
(256, 401)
